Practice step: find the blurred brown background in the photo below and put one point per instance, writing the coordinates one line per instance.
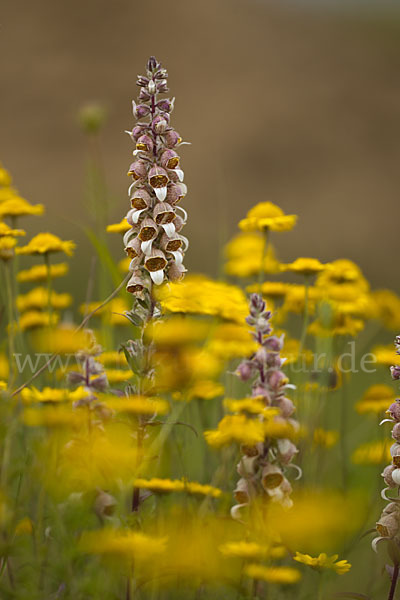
(292, 103)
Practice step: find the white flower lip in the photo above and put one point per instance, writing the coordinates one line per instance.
(161, 193)
(157, 276)
(147, 247)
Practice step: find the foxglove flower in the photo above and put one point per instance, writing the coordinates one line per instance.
(153, 241)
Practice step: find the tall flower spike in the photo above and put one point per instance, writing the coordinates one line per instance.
(157, 187)
(388, 526)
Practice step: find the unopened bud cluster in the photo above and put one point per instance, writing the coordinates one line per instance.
(154, 242)
(263, 468)
(388, 525)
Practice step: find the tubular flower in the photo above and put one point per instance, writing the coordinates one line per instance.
(323, 561)
(46, 243)
(152, 240)
(262, 424)
(267, 215)
(388, 526)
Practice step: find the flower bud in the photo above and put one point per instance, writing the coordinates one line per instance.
(394, 410)
(396, 432)
(138, 170)
(163, 213)
(144, 95)
(140, 199)
(396, 476)
(387, 526)
(145, 144)
(140, 110)
(152, 87)
(392, 508)
(153, 65)
(178, 223)
(387, 476)
(165, 105)
(171, 138)
(142, 81)
(160, 123)
(286, 407)
(245, 370)
(287, 450)
(176, 272)
(395, 372)
(175, 193)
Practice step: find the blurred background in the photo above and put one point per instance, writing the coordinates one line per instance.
(296, 102)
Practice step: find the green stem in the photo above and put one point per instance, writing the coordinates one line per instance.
(49, 285)
(306, 316)
(263, 256)
(11, 323)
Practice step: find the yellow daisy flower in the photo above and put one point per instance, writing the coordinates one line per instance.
(5, 177)
(137, 405)
(267, 215)
(7, 245)
(245, 550)
(6, 230)
(38, 298)
(33, 395)
(386, 355)
(244, 255)
(123, 544)
(18, 207)
(325, 438)
(323, 561)
(42, 273)
(387, 308)
(34, 318)
(45, 243)
(372, 453)
(342, 271)
(270, 289)
(305, 266)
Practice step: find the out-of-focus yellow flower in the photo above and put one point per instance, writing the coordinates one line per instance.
(61, 340)
(372, 453)
(325, 438)
(123, 264)
(7, 245)
(157, 485)
(122, 544)
(3, 385)
(341, 325)
(295, 299)
(121, 227)
(53, 417)
(246, 550)
(279, 575)
(205, 389)
(231, 340)
(267, 215)
(18, 207)
(386, 355)
(112, 358)
(5, 177)
(235, 428)
(387, 308)
(342, 271)
(323, 561)
(35, 318)
(112, 312)
(138, 405)
(270, 289)
(254, 405)
(4, 366)
(198, 294)
(5, 230)
(291, 349)
(46, 243)
(105, 459)
(47, 394)
(347, 298)
(38, 298)
(305, 266)
(318, 518)
(115, 376)
(24, 527)
(245, 258)
(177, 330)
(376, 399)
(42, 273)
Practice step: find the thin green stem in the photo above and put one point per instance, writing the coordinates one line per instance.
(11, 322)
(306, 315)
(263, 257)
